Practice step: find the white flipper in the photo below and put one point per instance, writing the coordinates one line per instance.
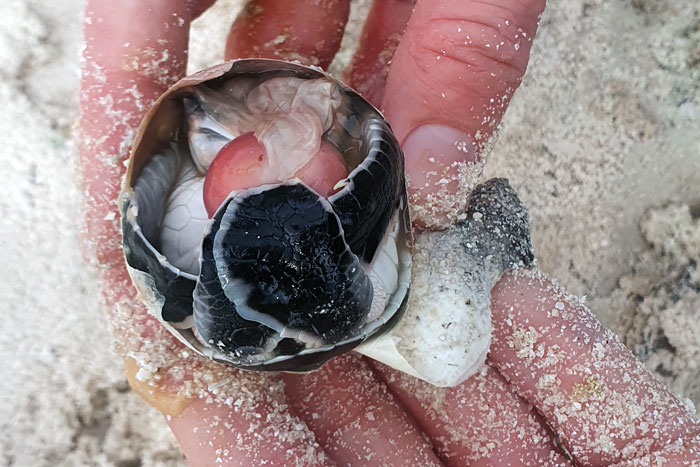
(184, 221)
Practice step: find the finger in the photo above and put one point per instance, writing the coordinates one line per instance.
(381, 33)
(219, 415)
(480, 422)
(601, 401)
(309, 31)
(450, 81)
(355, 418)
(197, 7)
(677, 454)
(259, 431)
(134, 50)
(122, 74)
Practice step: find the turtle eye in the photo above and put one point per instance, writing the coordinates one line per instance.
(265, 215)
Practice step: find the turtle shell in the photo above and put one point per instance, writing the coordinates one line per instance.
(285, 278)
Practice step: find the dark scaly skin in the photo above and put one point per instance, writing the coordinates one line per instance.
(288, 249)
(366, 211)
(361, 214)
(215, 315)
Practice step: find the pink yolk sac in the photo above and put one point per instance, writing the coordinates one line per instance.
(243, 164)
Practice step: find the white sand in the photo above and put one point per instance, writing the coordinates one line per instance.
(601, 142)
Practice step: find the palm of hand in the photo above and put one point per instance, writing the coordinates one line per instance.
(552, 370)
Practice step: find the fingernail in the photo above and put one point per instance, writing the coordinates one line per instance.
(442, 167)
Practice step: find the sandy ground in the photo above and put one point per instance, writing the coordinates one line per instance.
(602, 142)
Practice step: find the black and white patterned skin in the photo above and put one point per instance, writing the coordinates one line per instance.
(367, 205)
(281, 259)
(215, 315)
(284, 282)
(140, 235)
(282, 268)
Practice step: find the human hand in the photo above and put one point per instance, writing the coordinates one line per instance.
(553, 372)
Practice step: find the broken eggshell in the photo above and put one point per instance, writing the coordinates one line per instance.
(283, 278)
(445, 333)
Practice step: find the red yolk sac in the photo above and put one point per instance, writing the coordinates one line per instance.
(242, 164)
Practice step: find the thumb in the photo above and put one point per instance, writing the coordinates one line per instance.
(450, 81)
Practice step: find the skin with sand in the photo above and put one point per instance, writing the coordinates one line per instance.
(552, 369)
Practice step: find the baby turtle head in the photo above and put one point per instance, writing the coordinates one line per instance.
(284, 266)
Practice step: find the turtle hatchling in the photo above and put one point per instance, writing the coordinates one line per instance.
(264, 216)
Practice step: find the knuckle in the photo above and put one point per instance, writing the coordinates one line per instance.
(476, 41)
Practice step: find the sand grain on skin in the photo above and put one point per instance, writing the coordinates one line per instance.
(603, 128)
(601, 400)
